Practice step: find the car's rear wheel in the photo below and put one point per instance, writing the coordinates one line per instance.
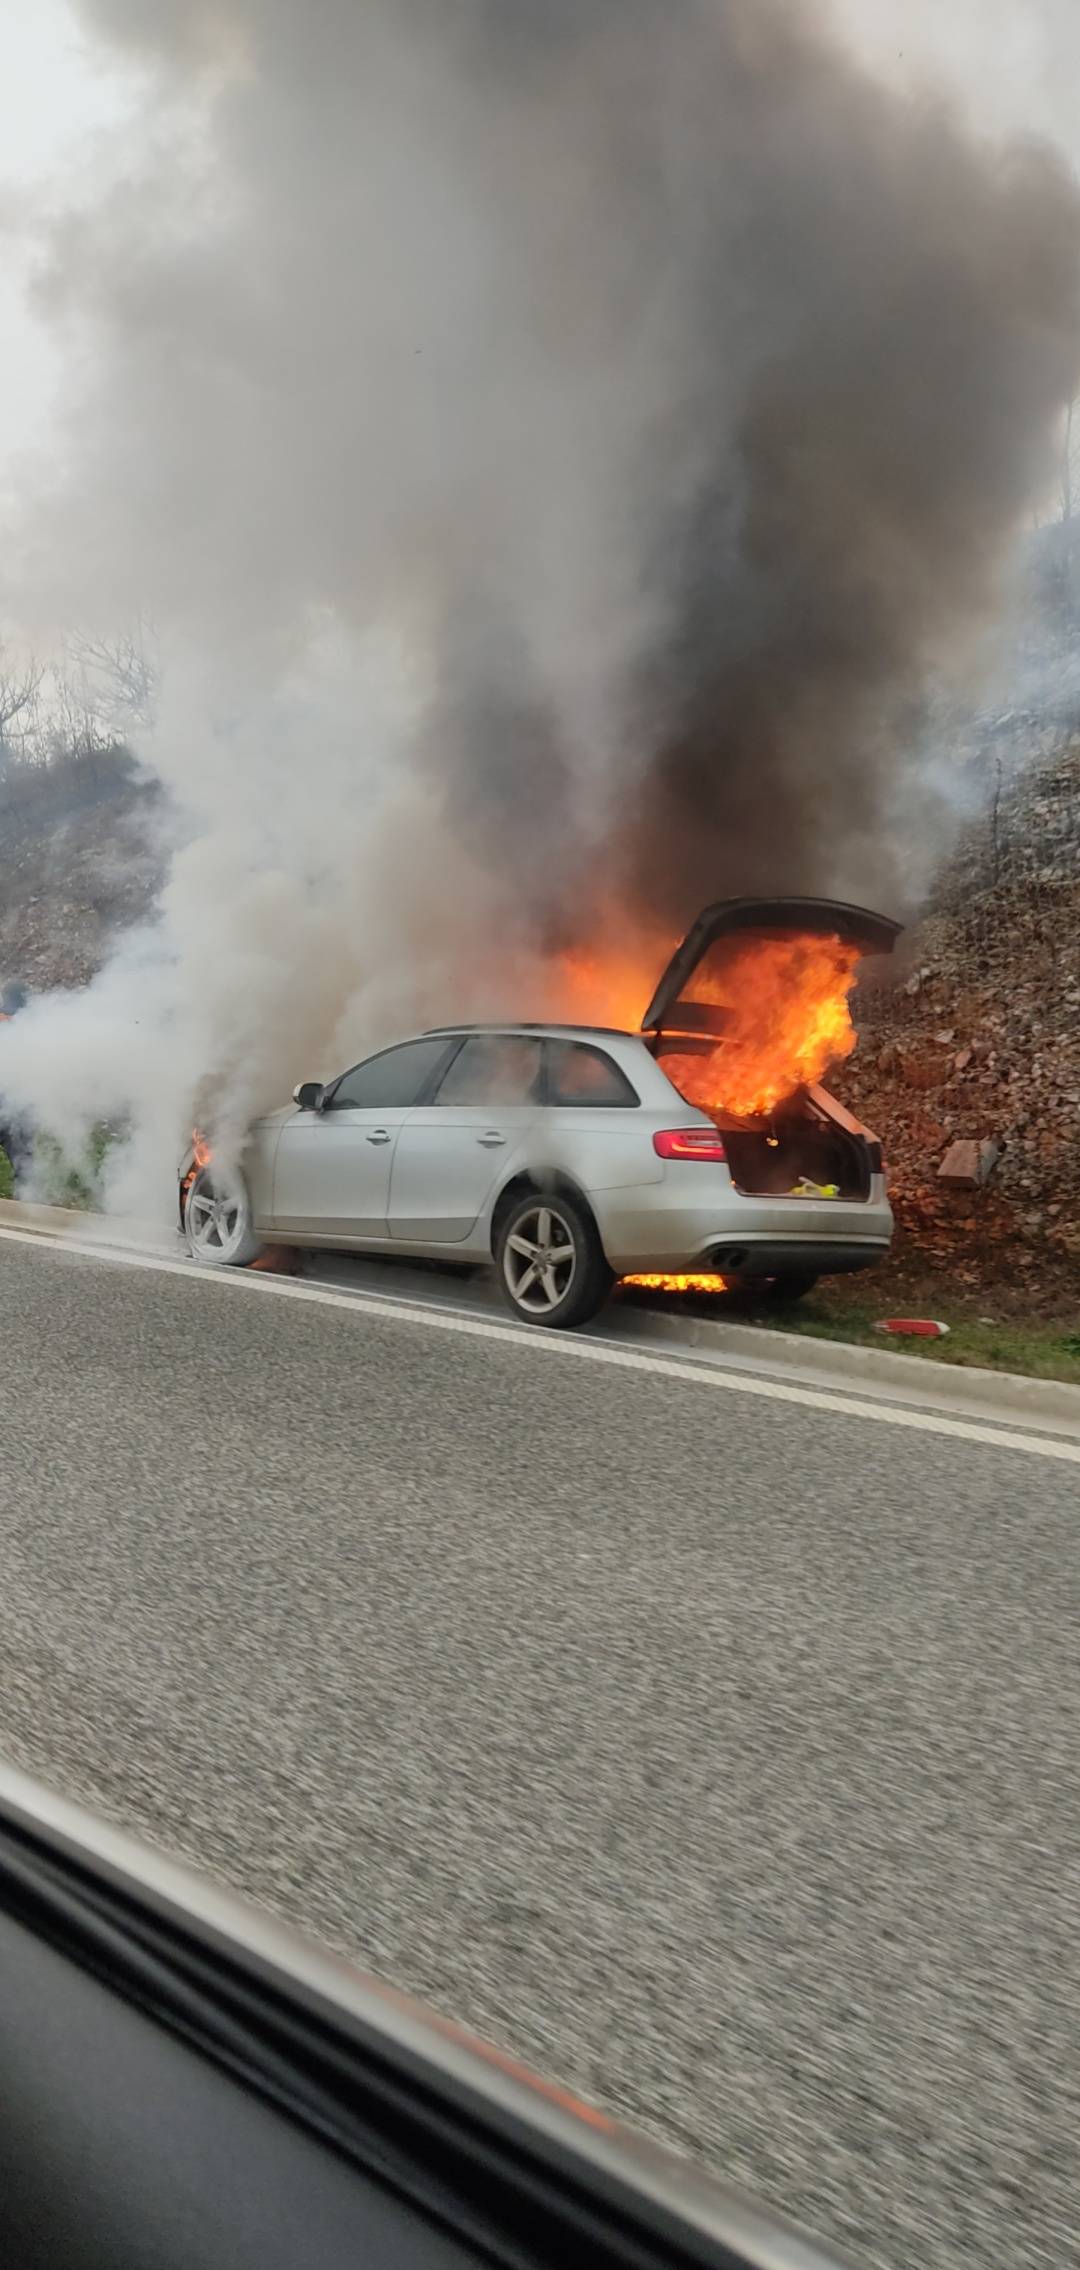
(784, 1290)
(550, 1263)
(218, 1220)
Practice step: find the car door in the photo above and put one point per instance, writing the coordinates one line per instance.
(332, 1171)
(454, 1147)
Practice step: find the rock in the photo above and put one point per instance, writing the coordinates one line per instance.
(962, 1059)
(959, 1169)
(924, 1072)
(968, 1165)
(989, 1153)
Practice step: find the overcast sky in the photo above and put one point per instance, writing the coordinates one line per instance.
(1014, 63)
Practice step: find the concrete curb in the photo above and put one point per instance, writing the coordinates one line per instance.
(1004, 1395)
(76, 1222)
(840, 1364)
(50, 1221)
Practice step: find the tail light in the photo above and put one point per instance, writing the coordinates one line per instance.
(689, 1143)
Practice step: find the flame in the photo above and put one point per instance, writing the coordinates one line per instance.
(595, 989)
(201, 1155)
(787, 1014)
(789, 1018)
(701, 1284)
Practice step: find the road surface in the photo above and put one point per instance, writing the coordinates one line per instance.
(714, 1745)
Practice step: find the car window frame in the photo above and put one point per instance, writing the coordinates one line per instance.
(438, 1072)
(630, 1102)
(531, 1040)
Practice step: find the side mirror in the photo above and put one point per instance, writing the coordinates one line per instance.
(309, 1095)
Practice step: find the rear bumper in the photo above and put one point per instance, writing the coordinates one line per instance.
(751, 1258)
(648, 1230)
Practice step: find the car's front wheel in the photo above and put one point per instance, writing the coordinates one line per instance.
(218, 1220)
(550, 1263)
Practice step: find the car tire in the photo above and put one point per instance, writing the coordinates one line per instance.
(575, 1279)
(783, 1292)
(218, 1220)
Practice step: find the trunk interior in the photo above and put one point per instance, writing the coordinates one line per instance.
(797, 1146)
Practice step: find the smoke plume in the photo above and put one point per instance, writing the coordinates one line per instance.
(558, 444)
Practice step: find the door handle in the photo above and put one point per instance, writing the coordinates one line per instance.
(379, 1135)
(492, 1139)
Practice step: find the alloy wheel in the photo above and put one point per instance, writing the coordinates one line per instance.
(540, 1260)
(216, 1220)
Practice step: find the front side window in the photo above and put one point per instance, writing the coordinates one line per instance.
(390, 1081)
(580, 1074)
(493, 1070)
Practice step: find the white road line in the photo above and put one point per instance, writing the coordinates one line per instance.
(573, 1345)
(901, 1392)
(422, 1301)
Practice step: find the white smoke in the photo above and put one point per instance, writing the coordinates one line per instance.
(406, 342)
(1010, 66)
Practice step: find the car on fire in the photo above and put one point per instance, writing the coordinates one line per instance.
(571, 1156)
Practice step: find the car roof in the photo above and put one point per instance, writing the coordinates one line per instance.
(518, 1025)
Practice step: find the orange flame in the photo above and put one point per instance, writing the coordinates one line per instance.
(787, 1017)
(700, 1284)
(201, 1150)
(615, 989)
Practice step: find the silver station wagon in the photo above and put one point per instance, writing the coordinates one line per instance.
(568, 1156)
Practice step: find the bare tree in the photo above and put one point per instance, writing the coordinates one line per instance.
(1070, 463)
(20, 696)
(84, 708)
(116, 680)
(74, 730)
(1058, 532)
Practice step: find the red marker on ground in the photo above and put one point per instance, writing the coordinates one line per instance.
(916, 1327)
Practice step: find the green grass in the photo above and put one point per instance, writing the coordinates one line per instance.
(59, 1180)
(7, 1179)
(1045, 1349)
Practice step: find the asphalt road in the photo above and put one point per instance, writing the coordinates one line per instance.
(714, 1750)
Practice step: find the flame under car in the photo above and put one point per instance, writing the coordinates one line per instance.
(573, 1155)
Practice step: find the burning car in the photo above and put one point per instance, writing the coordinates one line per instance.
(571, 1155)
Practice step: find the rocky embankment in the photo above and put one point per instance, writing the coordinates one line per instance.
(978, 1038)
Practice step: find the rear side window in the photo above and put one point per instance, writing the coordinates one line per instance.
(580, 1074)
(391, 1080)
(491, 1069)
